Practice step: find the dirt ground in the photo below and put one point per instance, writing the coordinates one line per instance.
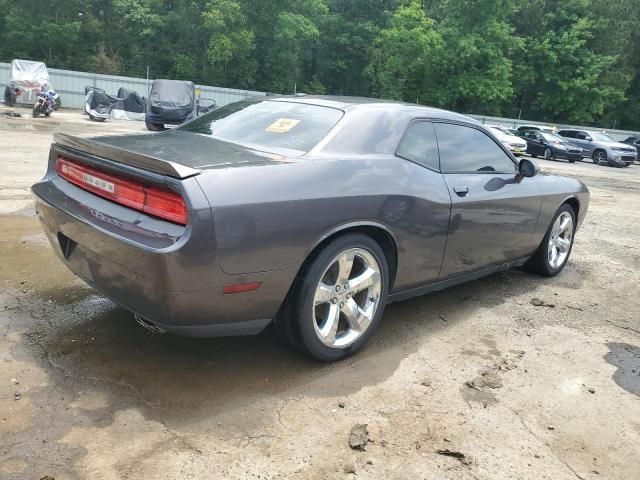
(87, 393)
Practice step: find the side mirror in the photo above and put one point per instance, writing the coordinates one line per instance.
(589, 139)
(528, 168)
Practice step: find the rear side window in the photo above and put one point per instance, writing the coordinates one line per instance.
(419, 145)
(567, 133)
(465, 150)
(272, 126)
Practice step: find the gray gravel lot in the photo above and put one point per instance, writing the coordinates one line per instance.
(474, 382)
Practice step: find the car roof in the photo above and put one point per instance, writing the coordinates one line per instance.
(361, 103)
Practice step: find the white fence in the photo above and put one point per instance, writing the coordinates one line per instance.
(71, 85)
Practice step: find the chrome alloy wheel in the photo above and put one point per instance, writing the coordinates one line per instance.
(347, 298)
(560, 240)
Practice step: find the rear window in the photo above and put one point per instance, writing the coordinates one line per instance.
(272, 126)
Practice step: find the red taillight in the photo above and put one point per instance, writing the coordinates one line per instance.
(154, 201)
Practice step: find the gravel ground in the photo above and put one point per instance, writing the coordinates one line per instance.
(475, 382)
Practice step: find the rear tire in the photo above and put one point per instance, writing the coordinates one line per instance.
(322, 318)
(542, 261)
(155, 127)
(35, 112)
(548, 155)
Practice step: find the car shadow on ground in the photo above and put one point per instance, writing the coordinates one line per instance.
(90, 344)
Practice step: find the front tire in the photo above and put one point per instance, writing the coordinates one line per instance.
(155, 127)
(600, 157)
(554, 251)
(337, 300)
(35, 112)
(548, 155)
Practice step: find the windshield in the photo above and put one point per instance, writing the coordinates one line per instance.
(601, 137)
(267, 125)
(550, 137)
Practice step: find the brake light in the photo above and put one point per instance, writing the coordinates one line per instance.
(154, 201)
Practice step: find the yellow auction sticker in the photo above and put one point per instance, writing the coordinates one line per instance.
(282, 125)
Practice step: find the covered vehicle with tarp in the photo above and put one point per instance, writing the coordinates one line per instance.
(129, 105)
(171, 102)
(98, 103)
(126, 105)
(26, 79)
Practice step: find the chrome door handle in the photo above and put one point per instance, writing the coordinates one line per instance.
(461, 191)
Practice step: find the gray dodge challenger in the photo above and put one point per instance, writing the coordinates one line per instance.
(308, 213)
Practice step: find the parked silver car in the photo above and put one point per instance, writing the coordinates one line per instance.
(601, 148)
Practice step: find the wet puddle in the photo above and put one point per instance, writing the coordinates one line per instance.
(627, 358)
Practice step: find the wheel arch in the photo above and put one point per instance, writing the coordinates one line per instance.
(574, 203)
(376, 231)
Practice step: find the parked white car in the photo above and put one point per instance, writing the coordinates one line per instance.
(514, 143)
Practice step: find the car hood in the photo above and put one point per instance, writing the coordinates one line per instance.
(191, 150)
(620, 145)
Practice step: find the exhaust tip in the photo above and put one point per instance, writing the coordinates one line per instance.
(152, 327)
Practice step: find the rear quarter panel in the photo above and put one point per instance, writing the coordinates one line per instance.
(272, 217)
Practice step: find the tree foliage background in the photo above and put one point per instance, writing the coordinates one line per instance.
(555, 60)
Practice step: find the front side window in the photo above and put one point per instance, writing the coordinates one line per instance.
(568, 134)
(268, 125)
(465, 150)
(419, 145)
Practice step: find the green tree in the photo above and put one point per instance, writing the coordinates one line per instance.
(475, 69)
(402, 61)
(562, 77)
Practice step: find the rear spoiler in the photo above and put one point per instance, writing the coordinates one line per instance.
(93, 146)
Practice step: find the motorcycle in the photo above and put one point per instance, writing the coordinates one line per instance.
(45, 102)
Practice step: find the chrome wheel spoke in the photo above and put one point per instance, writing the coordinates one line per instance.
(324, 293)
(345, 265)
(564, 224)
(366, 279)
(563, 244)
(329, 328)
(352, 313)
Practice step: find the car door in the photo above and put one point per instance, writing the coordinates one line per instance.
(494, 210)
(570, 136)
(534, 143)
(583, 140)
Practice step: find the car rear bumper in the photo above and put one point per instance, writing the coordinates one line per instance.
(518, 150)
(165, 273)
